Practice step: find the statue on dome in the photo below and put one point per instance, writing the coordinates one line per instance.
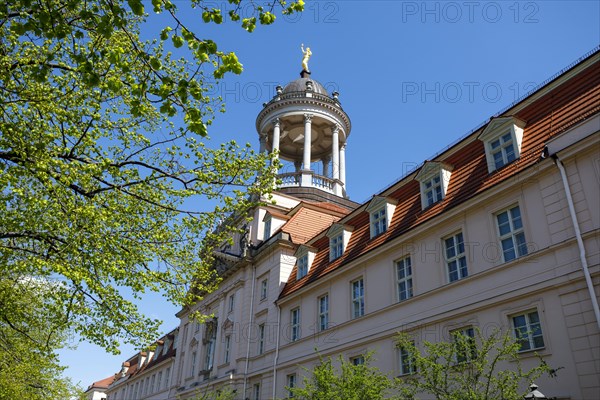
(307, 53)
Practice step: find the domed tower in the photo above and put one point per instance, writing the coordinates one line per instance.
(307, 125)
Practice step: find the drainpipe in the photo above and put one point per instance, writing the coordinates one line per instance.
(276, 359)
(249, 330)
(582, 255)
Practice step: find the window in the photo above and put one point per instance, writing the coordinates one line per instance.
(404, 279)
(152, 382)
(455, 257)
(502, 139)
(512, 237)
(464, 343)
(502, 150)
(302, 267)
(167, 377)
(358, 360)
(291, 383)
(210, 338)
(231, 302)
(434, 178)
(433, 191)
(267, 233)
(528, 330)
(378, 222)
(336, 247)
(264, 288)
(227, 349)
(407, 361)
(323, 312)
(358, 298)
(193, 364)
(256, 391)
(295, 324)
(159, 381)
(261, 338)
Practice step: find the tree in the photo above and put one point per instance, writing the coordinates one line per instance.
(29, 366)
(354, 381)
(103, 149)
(466, 368)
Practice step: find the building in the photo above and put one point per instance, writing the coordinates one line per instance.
(499, 230)
(97, 390)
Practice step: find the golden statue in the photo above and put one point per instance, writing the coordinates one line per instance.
(307, 53)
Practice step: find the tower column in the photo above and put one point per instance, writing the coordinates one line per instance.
(325, 160)
(263, 143)
(276, 133)
(335, 152)
(343, 164)
(307, 140)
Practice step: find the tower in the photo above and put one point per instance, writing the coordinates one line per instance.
(306, 125)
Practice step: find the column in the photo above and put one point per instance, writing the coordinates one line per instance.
(335, 152)
(325, 160)
(263, 143)
(307, 140)
(276, 133)
(343, 164)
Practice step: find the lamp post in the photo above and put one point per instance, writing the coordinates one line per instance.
(535, 393)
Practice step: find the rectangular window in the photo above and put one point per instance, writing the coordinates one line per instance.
(267, 233)
(227, 349)
(358, 298)
(407, 362)
(528, 330)
(433, 190)
(512, 236)
(264, 288)
(378, 222)
(152, 382)
(464, 342)
(295, 324)
(455, 257)
(231, 302)
(261, 338)
(302, 267)
(291, 383)
(404, 279)
(159, 381)
(256, 391)
(358, 360)
(193, 366)
(336, 247)
(323, 312)
(167, 377)
(503, 150)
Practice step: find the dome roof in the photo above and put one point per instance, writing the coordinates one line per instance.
(299, 85)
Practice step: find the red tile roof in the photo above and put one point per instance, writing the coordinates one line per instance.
(101, 384)
(565, 105)
(308, 219)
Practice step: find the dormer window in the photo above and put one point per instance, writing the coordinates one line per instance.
(305, 256)
(434, 178)
(502, 139)
(339, 236)
(267, 228)
(381, 210)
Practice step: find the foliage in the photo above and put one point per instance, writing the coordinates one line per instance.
(353, 382)
(104, 157)
(467, 368)
(225, 393)
(29, 366)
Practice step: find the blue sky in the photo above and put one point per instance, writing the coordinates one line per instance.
(413, 76)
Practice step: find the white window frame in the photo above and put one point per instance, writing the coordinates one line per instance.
(513, 236)
(193, 363)
(261, 338)
(339, 236)
(267, 228)
(302, 269)
(380, 209)
(403, 266)
(464, 355)
(264, 288)
(458, 259)
(357, 360)
(358, 299)
(291, 383)
(406, 362)
(528, 335)
(231, 304)
(256, 391)
(433, 175)
(295, 316)
(496, 130)
(323, 304)
(227, 349)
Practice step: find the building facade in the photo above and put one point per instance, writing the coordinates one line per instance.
(498, 231)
